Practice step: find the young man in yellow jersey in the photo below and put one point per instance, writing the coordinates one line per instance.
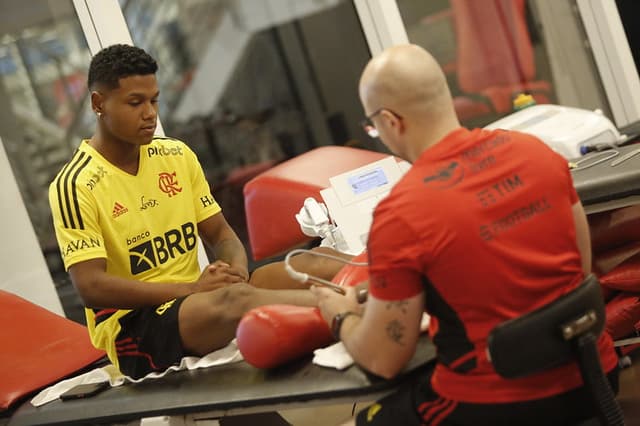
(128, 210)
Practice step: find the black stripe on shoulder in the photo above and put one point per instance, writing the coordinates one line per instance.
(59, 180)
(67, 197)
(71, 171)
(74, 191)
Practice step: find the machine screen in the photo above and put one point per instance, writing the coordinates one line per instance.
(371, 179)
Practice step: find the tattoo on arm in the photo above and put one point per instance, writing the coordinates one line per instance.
(401, 305)
(395, 331)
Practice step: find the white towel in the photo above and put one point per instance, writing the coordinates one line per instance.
(227, 355)
(337, 356)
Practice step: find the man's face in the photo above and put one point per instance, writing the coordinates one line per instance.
(386, 123)
(384, 120)
(130, 111)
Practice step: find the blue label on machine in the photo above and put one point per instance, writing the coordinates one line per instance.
(367, 181)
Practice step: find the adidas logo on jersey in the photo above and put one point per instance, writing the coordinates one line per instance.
(119, 210)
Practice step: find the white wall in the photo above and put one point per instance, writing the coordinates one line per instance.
(381, 23)
(23, 270)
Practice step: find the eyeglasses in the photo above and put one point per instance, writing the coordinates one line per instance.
(370, 128)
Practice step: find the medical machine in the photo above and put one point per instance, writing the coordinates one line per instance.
(344, 219)
(569, 131)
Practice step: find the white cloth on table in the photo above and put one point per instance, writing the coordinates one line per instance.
(227, 355)
(335, 356)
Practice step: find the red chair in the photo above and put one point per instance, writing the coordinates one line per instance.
(39, 348)
(495, 57)
(274, 197)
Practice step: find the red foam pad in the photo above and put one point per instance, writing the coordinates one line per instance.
(38, 348)
(623, 313)
(614, 228)
(272, 335)
(274, 197)
(605, 262)
(353, 275)
(624, 277)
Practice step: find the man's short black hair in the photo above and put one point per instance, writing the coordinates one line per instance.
(118, 61)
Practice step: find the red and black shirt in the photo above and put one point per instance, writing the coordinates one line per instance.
(483, 225)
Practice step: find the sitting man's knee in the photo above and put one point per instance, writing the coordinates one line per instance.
(232, 302)
(261, 277)
(325, 267)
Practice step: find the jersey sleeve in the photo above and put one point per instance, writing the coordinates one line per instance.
(395, 270)
(206, 205)
(75, 220)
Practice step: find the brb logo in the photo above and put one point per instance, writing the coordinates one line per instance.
(168, 184)
(158, 250)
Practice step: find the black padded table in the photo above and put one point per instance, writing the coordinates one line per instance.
(606, 187)
(224, 390)
(239, 388)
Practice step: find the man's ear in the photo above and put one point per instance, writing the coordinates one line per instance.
(97, 101)
(394, 122)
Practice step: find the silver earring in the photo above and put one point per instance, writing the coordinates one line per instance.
(99, 113)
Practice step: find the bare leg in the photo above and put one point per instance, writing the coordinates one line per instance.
(208, 320)
(274, 276)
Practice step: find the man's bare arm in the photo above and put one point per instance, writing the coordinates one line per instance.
(274, 276)
(583, 237)
(98, 289)
(384, 339)
(224, 243)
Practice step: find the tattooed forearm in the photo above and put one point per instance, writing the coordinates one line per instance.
(395, 331)
(401, 305)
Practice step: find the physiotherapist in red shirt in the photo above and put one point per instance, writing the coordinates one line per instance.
(485, 227)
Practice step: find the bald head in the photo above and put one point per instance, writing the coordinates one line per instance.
(408, 89)
(404, 78)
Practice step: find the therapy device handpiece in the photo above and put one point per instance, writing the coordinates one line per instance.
(317, 220)
(316, 213)
(303, 277)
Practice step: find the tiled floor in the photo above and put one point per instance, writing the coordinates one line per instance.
(322, 416)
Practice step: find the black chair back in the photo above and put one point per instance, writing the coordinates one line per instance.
(564, 330)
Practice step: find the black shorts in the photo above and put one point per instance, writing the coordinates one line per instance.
(149, 339)
(416, 403)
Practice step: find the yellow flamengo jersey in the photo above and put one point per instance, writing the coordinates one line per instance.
(145, 226)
